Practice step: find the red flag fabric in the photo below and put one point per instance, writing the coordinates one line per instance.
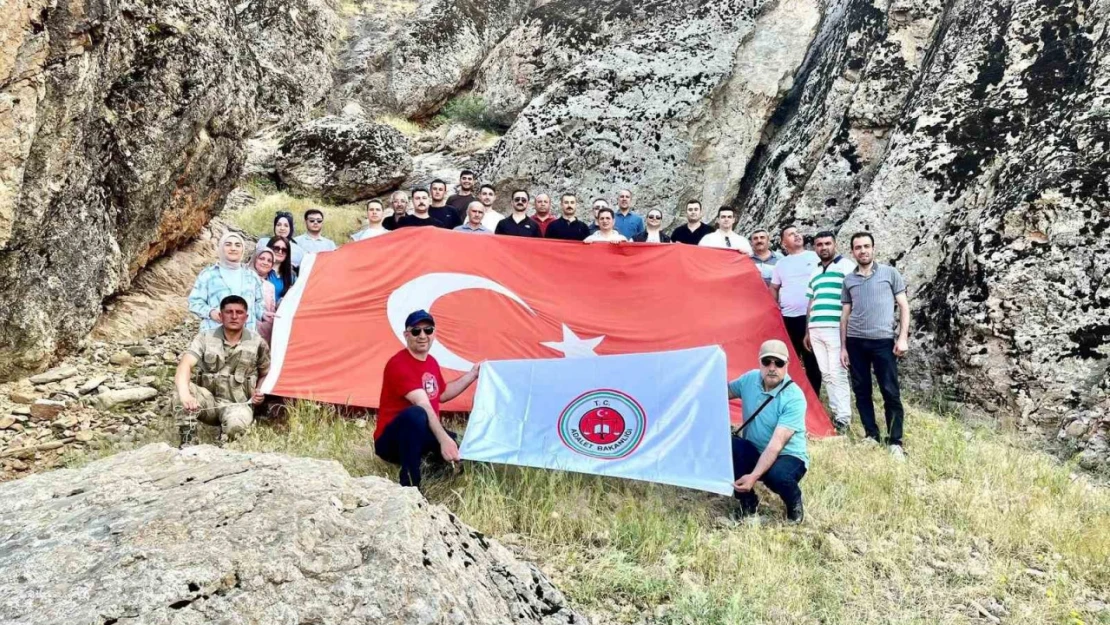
(499, 298)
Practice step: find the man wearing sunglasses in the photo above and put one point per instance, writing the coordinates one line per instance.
(773, 447)
(409, 428)
(312, 241)
(519, 224)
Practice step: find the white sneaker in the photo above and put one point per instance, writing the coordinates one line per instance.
(898, 453)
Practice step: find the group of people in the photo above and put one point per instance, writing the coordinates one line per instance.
(839, 313)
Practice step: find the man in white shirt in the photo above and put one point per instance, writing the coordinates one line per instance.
(789, 283)
(312, 241)
(605, 230)
(487, 195)
(375, 214)
(723, 236)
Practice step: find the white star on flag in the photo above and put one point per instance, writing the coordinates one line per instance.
(574, 347)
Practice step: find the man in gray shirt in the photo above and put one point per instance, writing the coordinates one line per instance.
(762, 254)
(868, 338)
(312, 241)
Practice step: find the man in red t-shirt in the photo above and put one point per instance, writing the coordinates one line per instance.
(408, 412)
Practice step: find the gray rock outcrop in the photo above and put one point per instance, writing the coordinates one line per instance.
(410, 58)
(121, 132)
(672, 112)
(343, 159)
(160, 535)
(973, 140)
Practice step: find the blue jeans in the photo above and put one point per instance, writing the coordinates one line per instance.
(406, 441)
(782, 478)
(863, 355)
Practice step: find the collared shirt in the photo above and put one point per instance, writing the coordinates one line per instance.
(872, 300)
(467, 228)
(766, 265)
(230, 372)
(683, 234)
(727, 240)
(787, 410)
(445, 215)
(601, 237)
(791, 275)
(313, 246)
(215, 283)
(825, 288)
(368, 233)
(563, 228)
(412, 221)
(544, 223)
(523, 228)
(629, 225)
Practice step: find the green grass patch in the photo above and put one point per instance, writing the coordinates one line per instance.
(971, 519)
(472, 111)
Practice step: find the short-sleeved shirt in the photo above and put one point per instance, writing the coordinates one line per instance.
(479, 230)
(446, 215)
(460, 202)
(412, 221)
(872, 300)
(629, 225)
(230, 372)
(787, 409)
(825, 286)
(368, 233)
(567, 230)
(791, 275)
(766, 265)
(404, 373)
(524, 228)
(313, 246)
(683, 234)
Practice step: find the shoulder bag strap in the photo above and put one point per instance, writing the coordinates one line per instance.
(761, 407)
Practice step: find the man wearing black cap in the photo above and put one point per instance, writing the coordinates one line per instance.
(408, 413)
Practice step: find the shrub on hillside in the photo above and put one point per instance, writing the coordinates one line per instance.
(473, 111)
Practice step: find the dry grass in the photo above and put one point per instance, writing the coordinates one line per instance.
(406, 127)
(258, 219)
(971, 521)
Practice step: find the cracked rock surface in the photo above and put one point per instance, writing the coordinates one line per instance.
(205, 535)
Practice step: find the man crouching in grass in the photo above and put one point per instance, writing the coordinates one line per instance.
(773, 447)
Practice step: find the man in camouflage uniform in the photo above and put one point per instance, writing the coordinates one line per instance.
(232, 361)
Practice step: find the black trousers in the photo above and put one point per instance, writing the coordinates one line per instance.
(878, 354)
(782, 478)
(796, 328)
(408, 440)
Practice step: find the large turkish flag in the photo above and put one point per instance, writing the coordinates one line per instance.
(497, 297)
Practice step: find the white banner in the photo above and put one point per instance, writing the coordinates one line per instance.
(659, 417)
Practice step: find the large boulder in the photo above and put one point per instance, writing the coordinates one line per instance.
(409, 58)
(672, 112)
(343, 159)
(121, 132)
(206, 535)
(973, 140)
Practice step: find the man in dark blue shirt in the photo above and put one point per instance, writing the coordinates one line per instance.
(568, 227)
(519, 224)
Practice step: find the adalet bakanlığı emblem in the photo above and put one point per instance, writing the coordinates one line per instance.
(604, 423)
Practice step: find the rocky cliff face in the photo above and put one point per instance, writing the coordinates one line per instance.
(205, 535)
(121, 133)
(972, 139)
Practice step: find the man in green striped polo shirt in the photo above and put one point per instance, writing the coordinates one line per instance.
(823, 337)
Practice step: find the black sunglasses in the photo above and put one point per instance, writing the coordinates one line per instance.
(655, 216)
(766, 362)
(520, 200)
(416, 331)
(315, 221)
(282, 249)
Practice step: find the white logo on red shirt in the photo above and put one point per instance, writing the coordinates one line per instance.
(431, 385)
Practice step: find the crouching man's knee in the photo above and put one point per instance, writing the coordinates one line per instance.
(235, 420)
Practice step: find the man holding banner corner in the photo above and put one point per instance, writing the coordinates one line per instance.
(771, 446)
(409, 428)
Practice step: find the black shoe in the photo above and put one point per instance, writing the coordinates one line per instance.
(188, 435)
(841, 427)
(746, 506)
(796, 513)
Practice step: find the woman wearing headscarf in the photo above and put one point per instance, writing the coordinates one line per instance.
(282, 275)
(227, 277)
(654, 232)
(263, 265)
(283, 227)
